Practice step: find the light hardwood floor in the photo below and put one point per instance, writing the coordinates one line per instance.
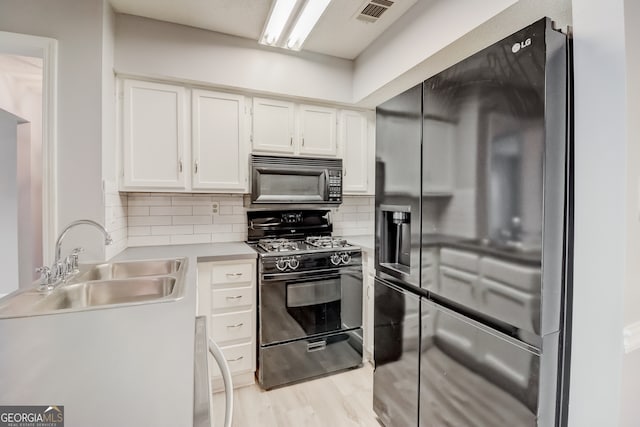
(341, 400)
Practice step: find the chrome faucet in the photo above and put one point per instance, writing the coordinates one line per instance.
(107, 236)
(59, 271)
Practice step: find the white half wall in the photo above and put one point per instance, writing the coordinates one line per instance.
(146, 47)
(600, 212)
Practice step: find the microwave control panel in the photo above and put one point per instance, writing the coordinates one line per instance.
(335, 185)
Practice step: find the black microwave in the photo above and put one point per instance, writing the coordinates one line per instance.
(295, 180)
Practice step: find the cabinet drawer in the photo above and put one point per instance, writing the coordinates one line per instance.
(239, 357)
(232, 273)
(232, 326)
(226, 298)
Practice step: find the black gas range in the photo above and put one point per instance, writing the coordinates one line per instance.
(309, 296)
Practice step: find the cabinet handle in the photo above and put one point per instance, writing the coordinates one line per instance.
(180, 165)
(237, 325)
(344, 172)
(235, 297)
(196, 167)
(291, 141)
(236, 359)
(234, 274)
(303, 141)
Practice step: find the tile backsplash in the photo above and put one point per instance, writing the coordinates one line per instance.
(176, 219)
(115, 218)
(173, 219)
(354, 217)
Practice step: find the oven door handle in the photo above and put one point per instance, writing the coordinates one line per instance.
(310, 274)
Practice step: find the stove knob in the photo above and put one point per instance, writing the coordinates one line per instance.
(346, 258)
(335, 259)
(281, 264)
(294, 263)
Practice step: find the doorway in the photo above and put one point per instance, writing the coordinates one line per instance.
(28, 90)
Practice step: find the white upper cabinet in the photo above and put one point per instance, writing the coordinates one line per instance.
(356, 141)
(317, 130)
(220, 158)
(273, 126)
(154, 139)
(282, 127)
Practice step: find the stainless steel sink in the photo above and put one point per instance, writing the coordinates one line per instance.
(100, 286)
(107, 292)
(123, 270)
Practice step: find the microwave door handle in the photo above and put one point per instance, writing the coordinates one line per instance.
(269, 224)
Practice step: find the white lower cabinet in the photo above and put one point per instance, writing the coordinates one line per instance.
(227, 297)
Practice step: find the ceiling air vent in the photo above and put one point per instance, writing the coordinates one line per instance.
(373, 9)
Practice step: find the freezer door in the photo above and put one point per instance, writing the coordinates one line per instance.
(473, 376)
(396, 355)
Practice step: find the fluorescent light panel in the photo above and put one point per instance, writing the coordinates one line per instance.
(281, 14)
(308, 19)
(278, 18)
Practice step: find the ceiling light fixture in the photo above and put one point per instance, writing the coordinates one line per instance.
(308, 18)
(296, 18)
(278, 17)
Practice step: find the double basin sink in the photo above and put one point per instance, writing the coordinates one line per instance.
(106, 285)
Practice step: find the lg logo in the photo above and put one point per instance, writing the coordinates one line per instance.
(517, 46)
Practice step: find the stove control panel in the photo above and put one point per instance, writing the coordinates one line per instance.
(340, 258)
(289, 263)
(280, 263)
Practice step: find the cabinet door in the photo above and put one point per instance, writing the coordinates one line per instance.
(154, 136)
(273, 126)
(354, 147)
(219, 143)
(317, 130)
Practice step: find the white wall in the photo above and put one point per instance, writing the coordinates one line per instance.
(8, 202)
(158, 49)
(600, 205)
(78, 27)
(434, 35)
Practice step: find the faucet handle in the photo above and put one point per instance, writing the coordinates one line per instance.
(72, 266)
(45, 277)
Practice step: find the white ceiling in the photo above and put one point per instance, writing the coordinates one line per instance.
(338, 32)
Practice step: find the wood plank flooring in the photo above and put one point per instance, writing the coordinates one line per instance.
(341, 400)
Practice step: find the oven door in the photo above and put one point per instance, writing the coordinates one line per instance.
(299, 305)
(286, 185)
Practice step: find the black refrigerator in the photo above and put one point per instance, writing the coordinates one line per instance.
(473, 240)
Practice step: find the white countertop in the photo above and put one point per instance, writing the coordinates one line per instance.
(196, 253)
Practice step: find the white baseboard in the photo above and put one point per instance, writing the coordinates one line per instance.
(631, 337)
